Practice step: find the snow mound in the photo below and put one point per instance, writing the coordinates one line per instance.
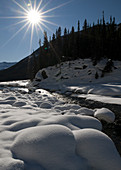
(19, 104)
(46, 105)
(86, 111)
(73, 122)
(98, 149)
(52, 147)
(105, 114)
(66, 107)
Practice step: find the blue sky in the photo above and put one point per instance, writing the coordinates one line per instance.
(15, 48)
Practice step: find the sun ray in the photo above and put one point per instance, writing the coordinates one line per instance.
(38, 7)
(50, 16)
(17, 23)
(20, 6)
(32, 31)
(52, 9)
(20, 12)
(47, 27)
(49, 22)
(23, 37)
(41, 9)
(40, 28)
(36, 28)
(16, 33)
(28, 27)
(13, 17)
(35, 8)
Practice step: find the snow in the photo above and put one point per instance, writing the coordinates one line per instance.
(38, 131)
(52, 147)
(78, 78)
(34, 134)
(74, 122)
(105, 114)
(90, 143)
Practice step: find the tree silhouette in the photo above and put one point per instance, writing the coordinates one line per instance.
(78, 25)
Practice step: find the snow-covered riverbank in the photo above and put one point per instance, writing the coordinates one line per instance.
(83, 79)
(34, 134)
(39, 131)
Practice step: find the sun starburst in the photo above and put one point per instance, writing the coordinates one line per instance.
(33, 16)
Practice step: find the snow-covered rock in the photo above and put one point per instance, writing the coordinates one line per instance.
(105, 114)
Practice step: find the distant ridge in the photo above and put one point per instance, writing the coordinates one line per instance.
(15, 72)
(5, 65)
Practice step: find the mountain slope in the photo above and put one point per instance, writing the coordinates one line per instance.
(27, 67)
(16, 72)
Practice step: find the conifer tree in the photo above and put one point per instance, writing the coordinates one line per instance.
(103, 18)
(111, 20)
(98, 22)
(40, 42)
(72, 30)
(85, 25)
(45, 43)
(72, 43)
(53, 37)
(68, 32)
(104, 36)
(56, 33)
(59, 31)
(78, 25)
(65, 32)
(65, 44)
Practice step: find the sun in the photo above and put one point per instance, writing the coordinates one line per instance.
(34, 17)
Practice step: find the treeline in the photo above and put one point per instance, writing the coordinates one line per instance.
(96, 41)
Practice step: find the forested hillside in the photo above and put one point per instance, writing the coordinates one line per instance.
(100, 40)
